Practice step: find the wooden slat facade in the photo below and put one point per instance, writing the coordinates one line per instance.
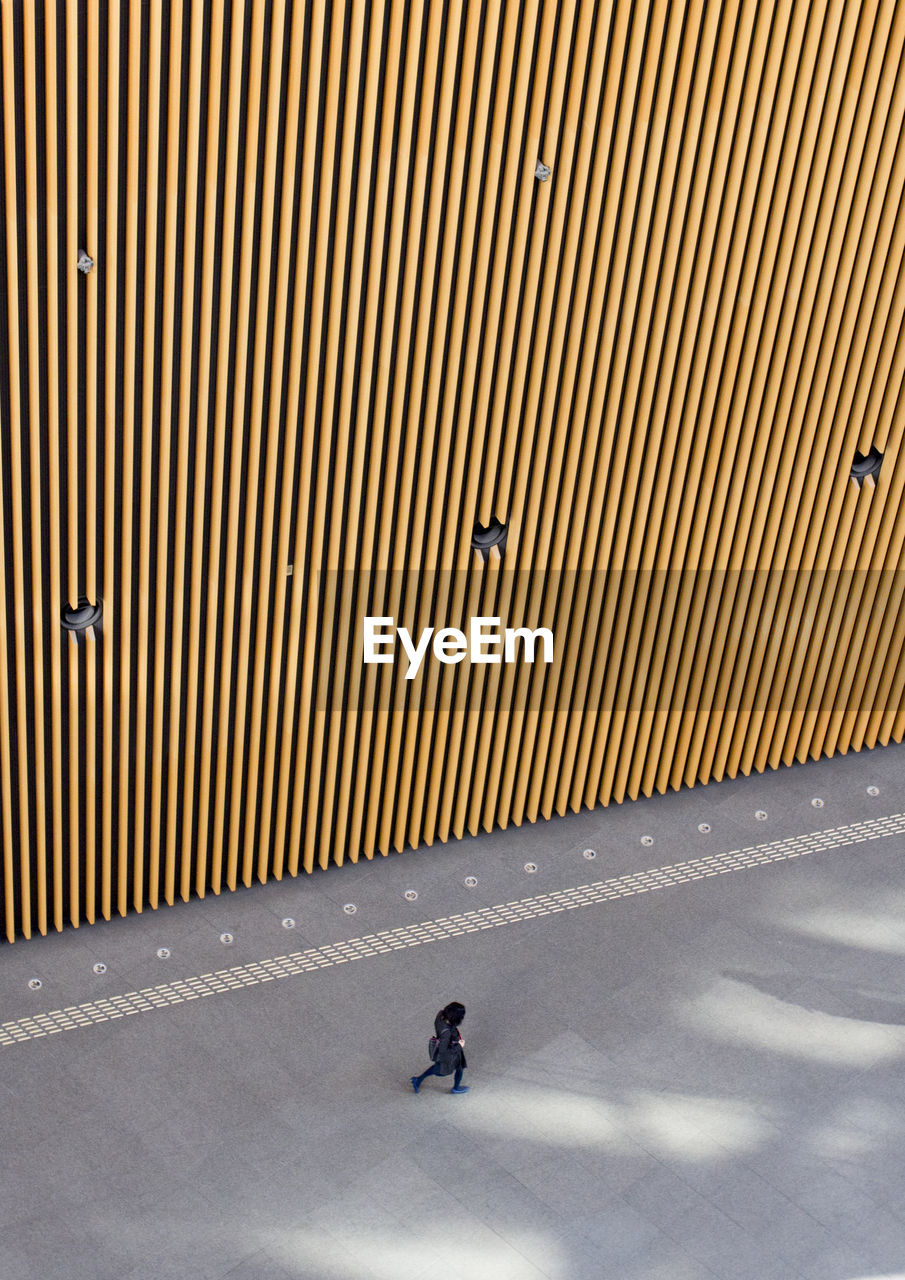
(335, 319)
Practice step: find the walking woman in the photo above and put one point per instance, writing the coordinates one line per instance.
(447, 1049)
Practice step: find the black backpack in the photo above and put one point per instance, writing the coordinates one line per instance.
(433, 1045)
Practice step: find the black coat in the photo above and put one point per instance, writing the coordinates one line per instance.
(450, 1054)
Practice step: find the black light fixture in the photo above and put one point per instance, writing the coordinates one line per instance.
(489, 539)
(78, 618)
(866, 467)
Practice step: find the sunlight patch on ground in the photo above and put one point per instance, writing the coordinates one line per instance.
(389, 1258)
(872, 930)
(694, 1127)
(677, 1125)
(734, 1012)
(895, 1275)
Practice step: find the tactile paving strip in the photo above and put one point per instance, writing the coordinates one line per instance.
(107, 1009)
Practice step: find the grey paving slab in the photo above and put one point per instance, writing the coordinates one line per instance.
(662, 1259)
(760, 1209)
(403, 1187)
(707, 1233)
(184, 1230)
(59, 1248)
(616, 1234)
(837, 1262)
(702, 1082)
(565, 1188)
(260, 1266)
(618, 1167)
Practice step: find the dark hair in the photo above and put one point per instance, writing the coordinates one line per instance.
(453, 1013)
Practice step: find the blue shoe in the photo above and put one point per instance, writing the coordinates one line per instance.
(416, 1084)
(463, 1088)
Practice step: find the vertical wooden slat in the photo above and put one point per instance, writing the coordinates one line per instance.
(130, 429)
(290, 293)
(55, 417)
(197, 761)
(294, 523)
(264, 434)
(8, 727)
(171, 117)
(111, 434)
(18, 391)
(90, 186)
(7, 730)
(185, 655)
(149, 271)
(245, 447)
(29, 254)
